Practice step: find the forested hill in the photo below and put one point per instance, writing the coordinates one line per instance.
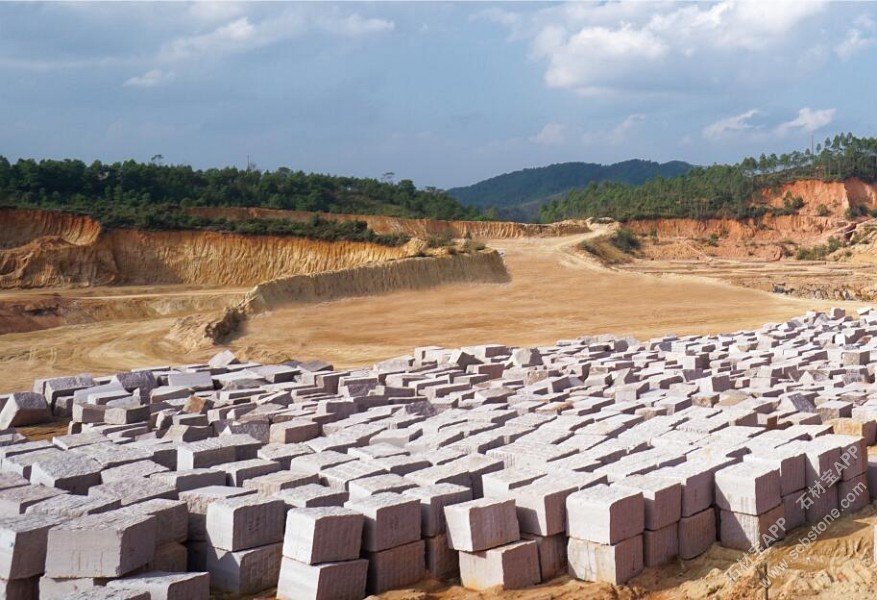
(721, 190)
(521, 193)
(144, 194)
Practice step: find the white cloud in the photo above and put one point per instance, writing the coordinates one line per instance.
(601, 48)
(728, 125)
(807, 121)
(551, 135)
(356, 25)
(615, 136)
(151, 78)
(859, 37)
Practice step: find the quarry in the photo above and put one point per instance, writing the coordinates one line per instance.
(486, 410)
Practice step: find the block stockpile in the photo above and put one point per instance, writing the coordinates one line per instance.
(597, 457)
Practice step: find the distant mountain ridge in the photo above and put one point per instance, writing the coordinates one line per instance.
(519, 195)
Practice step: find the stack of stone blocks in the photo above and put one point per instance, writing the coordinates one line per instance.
(597, 456)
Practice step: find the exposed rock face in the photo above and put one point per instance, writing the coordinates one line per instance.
(47, 249)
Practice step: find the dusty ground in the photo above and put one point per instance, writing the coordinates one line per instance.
(553, 294)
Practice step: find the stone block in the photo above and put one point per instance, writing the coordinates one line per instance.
(24, 408)
(327, 581)
(790, 465)
(744, 532)
(167, 586)
(312, 495)
(275, 482)
(749, 488)
(662, 499)
(67, 471)
(238, 472)
(822, 504)
(696, 534)
(379, 484)
(698, 483)
(327, 534)
(611, 563)
(396, 567)
(132, 491)
(341, 475)
(605, 514)
(552, 554)
(794, 511)
(203, 454)
(140, 468)
(199, 499)
(541, 506)
(15, 501)
(660, 546)
(62, 589)
(433, 500)
(297, 430)
(245, 571)
(190, 479)
(390, 520)
(482, 524)
(171, 518)
(853, 495)
(171, 557)
(442, 561)
(23, 541)
(246, 522)
(512, 566)
(70, 506)
(105, 545)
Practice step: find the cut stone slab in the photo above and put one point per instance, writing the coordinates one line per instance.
(442, 561)
(744, 532)
(552, 554)
(328, 581)
(615, 563)
(67, 471)
(390, 520)
(433, 500)
(749, 488)
(23, 541)
(71, 506)
(396, 567)
(327, 534)
(167, 586)
(605, 514)
(247, 522)
(24, 408)
(272, 483)
(512, 566)
(662, 499)
(246, 571)
(660, 547)
(696, 534)
(105, 545)
(312, 495)
(15, 501)
(482, 524)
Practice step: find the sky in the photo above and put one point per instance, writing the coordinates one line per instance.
(445, 94)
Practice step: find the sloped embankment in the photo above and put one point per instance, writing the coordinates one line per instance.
(50, 249)
(413, 227)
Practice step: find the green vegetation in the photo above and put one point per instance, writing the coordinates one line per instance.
(820, 252)
(728, 191)
(141, 194)
(625, 240)
(519, 195)
(444, 239)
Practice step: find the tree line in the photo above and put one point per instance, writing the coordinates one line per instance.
(722, 191)
(131, 187)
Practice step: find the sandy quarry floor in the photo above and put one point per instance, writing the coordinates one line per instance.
(553, 294)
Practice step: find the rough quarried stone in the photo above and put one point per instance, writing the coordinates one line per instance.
(327, 581)
(24, 408)
(15, 501)
(748, 488)
(605, 514)
(396, 567)
(442, 561)
(390, 520)
(105, 545)
(190, 479)
(63, 589)
(280, 480)
(660, 546)
(662, 499)
(512, 566)
(433, 500)
(199, 499)
(552, 554)
(318, 535)
(615, 563)
(23, 541)
(132, 491)
(481, 524)
(171, 518)
(71, 506)
(70, 472)
(312, 495)
(204, 454)
(246, 522)
(167, 586)
(246, 571)
(541, 506)
(743, 532)
(696, 534)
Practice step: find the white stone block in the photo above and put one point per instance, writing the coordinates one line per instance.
(482, 524)
(512, 566)
(605, 514)
(327, 581)
(318, 535)
(611, 563)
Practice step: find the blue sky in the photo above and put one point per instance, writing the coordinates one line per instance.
(445, 94)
